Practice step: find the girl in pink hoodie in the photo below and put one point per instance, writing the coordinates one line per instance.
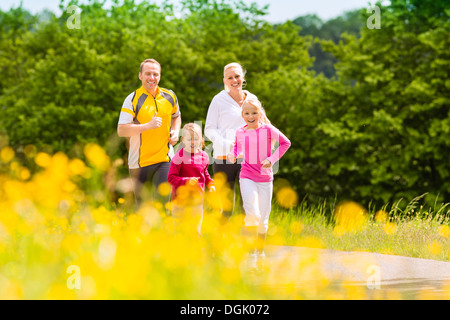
(255, 142)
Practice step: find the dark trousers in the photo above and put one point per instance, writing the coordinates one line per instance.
(149, 178)
(232, 171)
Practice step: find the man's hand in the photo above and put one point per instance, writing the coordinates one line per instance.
(173, 137)
(155, 122)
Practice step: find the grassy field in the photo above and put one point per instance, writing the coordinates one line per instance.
(67, 233)
(415, 231)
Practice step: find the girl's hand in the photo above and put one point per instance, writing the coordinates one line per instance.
(192, 181)
(266, 164)
(231, 158)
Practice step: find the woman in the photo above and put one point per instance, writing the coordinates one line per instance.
(223, 119)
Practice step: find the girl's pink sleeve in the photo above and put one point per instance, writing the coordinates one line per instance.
(283, 147)
(174, 178)
(237, 149)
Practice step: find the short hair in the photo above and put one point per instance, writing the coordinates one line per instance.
(149, 61)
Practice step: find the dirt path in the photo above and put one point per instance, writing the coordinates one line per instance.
(358, 275)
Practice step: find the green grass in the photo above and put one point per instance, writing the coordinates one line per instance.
(415, 230)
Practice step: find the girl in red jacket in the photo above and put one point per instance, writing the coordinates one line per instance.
(189, 176)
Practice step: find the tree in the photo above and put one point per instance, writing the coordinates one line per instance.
(392, 118)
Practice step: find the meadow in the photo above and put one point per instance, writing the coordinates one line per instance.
(67, 232)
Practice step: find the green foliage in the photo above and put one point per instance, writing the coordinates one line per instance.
(376, 131)
(392, 125)
(350, 22)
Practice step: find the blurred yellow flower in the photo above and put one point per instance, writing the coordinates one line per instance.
(43, 159)
(390, 228)
(24, 173)
(350, 216)
(435, 248)
(97, 157)
(381, 216)
(311, 242)
(444, 231)
(7, 154)
(287, 197)
(76, 167)
(296, 227)
(164, 189)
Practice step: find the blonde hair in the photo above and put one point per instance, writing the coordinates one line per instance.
(234, 65)
(254, 102)
(192, 128)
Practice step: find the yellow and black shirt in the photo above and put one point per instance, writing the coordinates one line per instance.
(151, 146)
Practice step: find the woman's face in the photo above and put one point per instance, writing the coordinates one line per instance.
(233, 79)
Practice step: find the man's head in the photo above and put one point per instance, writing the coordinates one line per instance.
(150, 74)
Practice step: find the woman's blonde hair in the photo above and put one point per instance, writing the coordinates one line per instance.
(192, 128)
(254, 102)
(234, 65)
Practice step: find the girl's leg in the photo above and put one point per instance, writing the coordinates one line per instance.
(188, 217)
(250, 197)
(177, 216)
(265, 190)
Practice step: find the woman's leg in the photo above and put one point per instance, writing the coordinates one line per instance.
(232, 172)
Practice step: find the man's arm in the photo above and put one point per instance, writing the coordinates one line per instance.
(175, 125)
(132, 129)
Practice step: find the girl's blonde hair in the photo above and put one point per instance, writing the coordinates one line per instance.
(234, 65)
(192, 128)
(254, 102)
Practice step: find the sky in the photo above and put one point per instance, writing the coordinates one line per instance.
(279, 10)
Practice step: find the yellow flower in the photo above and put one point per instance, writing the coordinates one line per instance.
(381, 216)
(43, 159)
(76, 167)
(164, 189)
(350, 216)
(24, 173)
(296, 227)
(287, 197)
(97, 156)
(7, 154)
(435, 248)
(444, 231)
(390, 228)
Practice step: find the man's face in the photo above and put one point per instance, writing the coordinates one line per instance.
(150, 76)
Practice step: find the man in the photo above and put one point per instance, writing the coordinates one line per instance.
(151, 119)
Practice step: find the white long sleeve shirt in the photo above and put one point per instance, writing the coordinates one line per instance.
(223, 119)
